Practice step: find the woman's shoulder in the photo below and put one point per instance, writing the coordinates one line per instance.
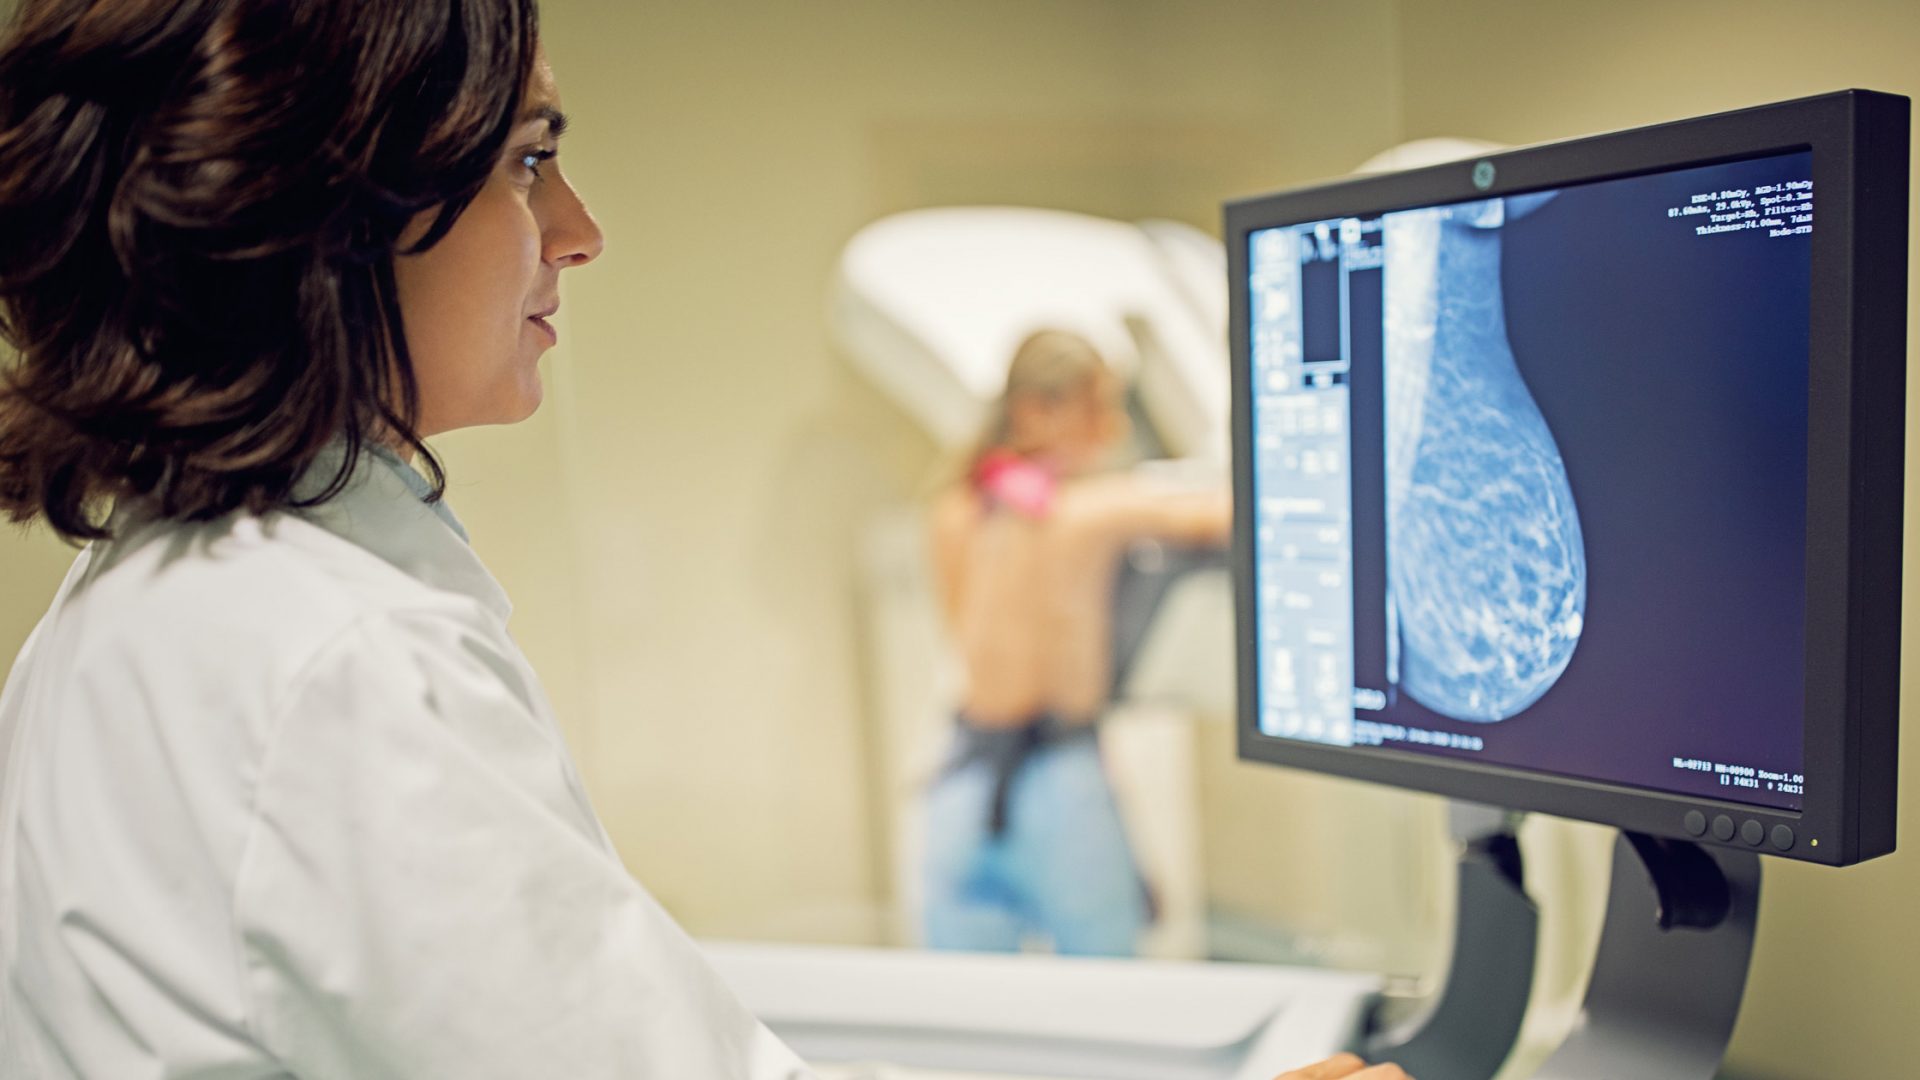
(260, 590)
(196, 637)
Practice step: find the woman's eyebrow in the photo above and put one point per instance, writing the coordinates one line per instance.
(556, 120)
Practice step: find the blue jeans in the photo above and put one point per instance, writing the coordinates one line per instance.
(1062, 867)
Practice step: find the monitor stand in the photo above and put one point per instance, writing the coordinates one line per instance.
(1667, 979)
(1672, 964)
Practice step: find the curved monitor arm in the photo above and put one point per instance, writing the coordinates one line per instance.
(1668, 976)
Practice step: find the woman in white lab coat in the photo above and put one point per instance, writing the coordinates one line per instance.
(279, 796)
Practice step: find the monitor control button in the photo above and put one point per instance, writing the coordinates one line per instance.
(1753, 832)
(1723, 827)
(1783, 837)
(1696, 823)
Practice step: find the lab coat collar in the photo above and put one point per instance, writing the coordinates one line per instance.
(384, 509)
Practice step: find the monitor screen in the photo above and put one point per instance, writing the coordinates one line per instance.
(1569, 479)
(1530, 479)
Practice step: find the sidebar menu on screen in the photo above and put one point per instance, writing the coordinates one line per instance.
(1303, 559)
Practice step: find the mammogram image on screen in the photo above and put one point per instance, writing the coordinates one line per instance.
(1487, 576)
(1529, 478)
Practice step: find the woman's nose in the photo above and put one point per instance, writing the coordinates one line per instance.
(573, 236)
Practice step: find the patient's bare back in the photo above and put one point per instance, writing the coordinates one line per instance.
(1028, 599)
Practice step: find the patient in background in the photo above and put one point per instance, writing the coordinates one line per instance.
(1023, 834)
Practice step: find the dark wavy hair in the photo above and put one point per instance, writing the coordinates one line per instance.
(200, 204)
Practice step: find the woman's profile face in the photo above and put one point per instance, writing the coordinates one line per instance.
(1095, 420)
(1077, 429)
(477, 306)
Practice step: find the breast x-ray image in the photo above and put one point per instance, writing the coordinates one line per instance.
(1487, 575)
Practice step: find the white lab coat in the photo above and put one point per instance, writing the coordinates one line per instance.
(280, 798)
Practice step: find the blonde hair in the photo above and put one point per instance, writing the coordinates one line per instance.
(1048, 365)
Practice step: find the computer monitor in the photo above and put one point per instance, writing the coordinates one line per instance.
(1569, 479)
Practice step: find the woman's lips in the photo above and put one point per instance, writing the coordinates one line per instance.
(546, 328)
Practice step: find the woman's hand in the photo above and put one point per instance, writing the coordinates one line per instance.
(1346, 1067)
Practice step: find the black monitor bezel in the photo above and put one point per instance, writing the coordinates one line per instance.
(1855, 464)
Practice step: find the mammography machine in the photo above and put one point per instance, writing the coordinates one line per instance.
(1571, 480)
(929, 306)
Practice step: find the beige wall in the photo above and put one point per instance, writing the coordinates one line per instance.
(677, 525)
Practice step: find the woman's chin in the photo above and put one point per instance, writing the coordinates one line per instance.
(510, 408)
(527, 402)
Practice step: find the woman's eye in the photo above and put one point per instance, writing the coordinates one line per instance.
(531, 160)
